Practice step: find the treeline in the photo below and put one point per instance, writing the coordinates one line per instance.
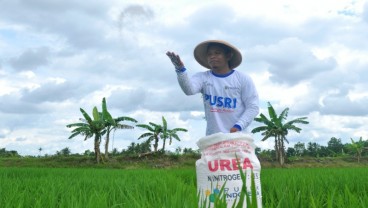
(133, 150)
(6, 153)
(334, 148)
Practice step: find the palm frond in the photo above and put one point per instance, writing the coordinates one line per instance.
(284, 114)
(125, 118)
(86, 116)
(259, 129)
(82, 129)
(292, 127)
(267, 135)
(145, 135)
(164, 124)
(124, 126)
(74, 135)
(75, 125)
(301, 120)
(106, 115)
(271, 112)
(154, 125)
(263, 119)
(179, 129)
(104, 108)
(96, 114)
(145, 126)
(175, 136)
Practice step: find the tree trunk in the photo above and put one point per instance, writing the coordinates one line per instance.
(155, 145)
(282, 152)
(163, 145)
(97, 149)
(280, 149)
(107, 144)
(282, 155)
(276, 149)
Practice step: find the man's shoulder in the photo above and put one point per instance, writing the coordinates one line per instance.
(241, 75)
(202, 73)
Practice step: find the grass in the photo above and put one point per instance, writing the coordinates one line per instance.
(56, 187)
(89, 187)
(315, 187)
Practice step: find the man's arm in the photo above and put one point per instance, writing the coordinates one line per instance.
(189, 86)
(251, 103)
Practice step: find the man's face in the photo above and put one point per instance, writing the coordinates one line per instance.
(217, 58)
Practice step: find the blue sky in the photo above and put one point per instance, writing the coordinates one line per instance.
(59, 56)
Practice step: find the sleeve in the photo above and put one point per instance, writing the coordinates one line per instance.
(190, 86)
(251, 103)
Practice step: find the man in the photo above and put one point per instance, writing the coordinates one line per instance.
(230, 97)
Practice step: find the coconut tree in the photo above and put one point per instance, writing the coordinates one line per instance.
(169, 133)
(93, 127)
(276, 128)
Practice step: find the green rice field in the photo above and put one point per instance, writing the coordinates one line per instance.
(174, 188)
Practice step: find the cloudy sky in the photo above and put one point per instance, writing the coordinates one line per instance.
(58, 56)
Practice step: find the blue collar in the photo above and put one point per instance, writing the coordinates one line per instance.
(223, 75)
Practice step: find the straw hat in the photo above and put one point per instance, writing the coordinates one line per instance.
(200, 53)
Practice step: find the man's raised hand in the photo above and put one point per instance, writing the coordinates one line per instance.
(175, 59)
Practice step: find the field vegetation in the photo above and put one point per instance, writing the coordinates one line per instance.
(174, 187)
(303, 175)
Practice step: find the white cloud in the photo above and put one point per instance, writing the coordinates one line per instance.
(59, 56)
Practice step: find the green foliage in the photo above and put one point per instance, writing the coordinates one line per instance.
(157, 132)
(137, 148)
(357, 147)
(299, 149)
(95, 127)
(335, 146)
(64, 152)
(30, 187)
(275, 127)
(6, 153)
(315, 187)
(68, 187)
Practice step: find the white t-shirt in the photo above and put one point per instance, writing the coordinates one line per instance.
(229, 100)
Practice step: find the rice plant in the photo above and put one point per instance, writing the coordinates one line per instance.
(175, 188)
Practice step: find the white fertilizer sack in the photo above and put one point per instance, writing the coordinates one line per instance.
(218, 164)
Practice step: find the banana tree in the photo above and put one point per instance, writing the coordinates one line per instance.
(112, 124)
(274, 127)
(94, 126)
(169, 133)
(111, 127)
(357, 147)
(153, 134)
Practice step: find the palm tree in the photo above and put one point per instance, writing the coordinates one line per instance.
(93, 127)
(274, 127)
(153, 134)
(110, 127)
(169, 133)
